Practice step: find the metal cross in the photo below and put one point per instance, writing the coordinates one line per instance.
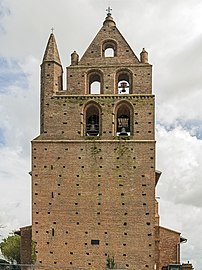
(109, 11)
(52, 29)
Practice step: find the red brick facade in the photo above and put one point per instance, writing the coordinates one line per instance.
(93, 190)
(25, 245)
(167, 247)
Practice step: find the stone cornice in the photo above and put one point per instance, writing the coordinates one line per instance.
(61, 95)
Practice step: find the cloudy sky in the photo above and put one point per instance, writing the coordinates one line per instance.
(171, 33)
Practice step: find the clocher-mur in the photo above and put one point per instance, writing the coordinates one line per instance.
(93, 164)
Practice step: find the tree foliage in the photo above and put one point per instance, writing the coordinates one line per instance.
(10, 248)
(110, 262)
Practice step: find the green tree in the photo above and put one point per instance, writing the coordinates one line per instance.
(10, 248)
(110, 262)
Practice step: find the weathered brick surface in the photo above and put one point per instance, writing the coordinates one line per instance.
(95, 188)
(106, 187)
(65, 116)
(169, 247)
(26, 245)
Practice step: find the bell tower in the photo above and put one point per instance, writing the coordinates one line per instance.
(93, 164)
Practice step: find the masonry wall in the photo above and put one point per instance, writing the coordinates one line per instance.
(94, 190)
(95, 196)
(77, 78)
(26, 245)
(65, 116)
(169, 247)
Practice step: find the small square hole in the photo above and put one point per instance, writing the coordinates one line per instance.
(95, 242)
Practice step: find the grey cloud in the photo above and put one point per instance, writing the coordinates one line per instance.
(170, 31)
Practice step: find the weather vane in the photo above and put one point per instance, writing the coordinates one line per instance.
(109, 11)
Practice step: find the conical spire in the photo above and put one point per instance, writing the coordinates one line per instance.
(51, 52)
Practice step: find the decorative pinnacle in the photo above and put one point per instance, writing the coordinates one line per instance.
(109, 11)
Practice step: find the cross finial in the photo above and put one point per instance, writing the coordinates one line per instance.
(109, 11)
(52, 29)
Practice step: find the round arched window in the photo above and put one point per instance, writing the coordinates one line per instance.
(123, 120)
(124, 82)
(92, 121)
(109, 48)
(95, 83)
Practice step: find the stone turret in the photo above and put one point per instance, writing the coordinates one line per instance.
(51, 77)
(144, 56)
(74, 58)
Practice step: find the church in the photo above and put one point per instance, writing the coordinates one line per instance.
(93, 165)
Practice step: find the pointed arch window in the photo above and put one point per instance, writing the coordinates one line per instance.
(124, 82)
(95, 83)
(124, 120)
(92, 120)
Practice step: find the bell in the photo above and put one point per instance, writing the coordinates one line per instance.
(92, 129)
(123, 87)
(92, 126)
(123, 132)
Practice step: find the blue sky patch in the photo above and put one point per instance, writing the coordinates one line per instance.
(11, 74)
(193, 126)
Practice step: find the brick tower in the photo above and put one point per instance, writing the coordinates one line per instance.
(93, 164)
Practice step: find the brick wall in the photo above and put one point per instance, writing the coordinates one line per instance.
(169, 247)
(65, 116)
(95, 196)
(25, 245)
(85, 191)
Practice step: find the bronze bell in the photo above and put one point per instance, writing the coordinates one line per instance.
(123, 132)
(123, 87)
(93, 131)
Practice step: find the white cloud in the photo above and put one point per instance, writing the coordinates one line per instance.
(19, 109)
(179, 157)
(19, 114)
(171, 32)
(14, 191)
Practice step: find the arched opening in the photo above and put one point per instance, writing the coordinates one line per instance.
(95, 87)
(109, 48)
(95, 83)
(109, 52)
(92, 121)
(124, 120)
(124, 83)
